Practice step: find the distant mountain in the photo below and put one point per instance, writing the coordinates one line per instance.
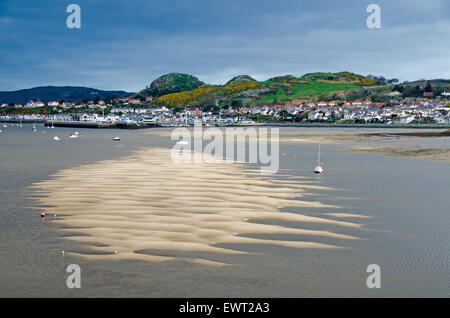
(56, 93)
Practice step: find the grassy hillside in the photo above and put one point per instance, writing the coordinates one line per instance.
(341, 77)
(311, 89)
(244, 90)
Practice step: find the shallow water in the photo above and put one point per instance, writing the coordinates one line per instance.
(407, 235)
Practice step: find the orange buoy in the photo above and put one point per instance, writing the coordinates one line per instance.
(295, 157)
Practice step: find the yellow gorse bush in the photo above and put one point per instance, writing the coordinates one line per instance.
(204, 94)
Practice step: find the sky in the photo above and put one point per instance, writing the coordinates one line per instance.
(126, 44)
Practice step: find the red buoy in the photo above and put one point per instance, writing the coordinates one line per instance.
(295, 157)
(42, 215)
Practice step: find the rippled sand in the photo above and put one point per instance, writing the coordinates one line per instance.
(146, 203)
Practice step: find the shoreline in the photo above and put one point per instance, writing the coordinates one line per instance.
(101, 125)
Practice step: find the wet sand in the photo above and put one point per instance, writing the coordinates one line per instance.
(354, 136)
(441, 154)
(146, 202)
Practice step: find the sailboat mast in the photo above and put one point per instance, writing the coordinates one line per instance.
(319, 156)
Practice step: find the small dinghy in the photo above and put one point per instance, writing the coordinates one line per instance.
(116, 139)
(56, 138)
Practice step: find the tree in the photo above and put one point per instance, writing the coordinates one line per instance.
(236, 103)
(398, 88)
(108, 99)
(393, 81)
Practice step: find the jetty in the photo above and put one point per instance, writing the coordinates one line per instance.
(79, 124)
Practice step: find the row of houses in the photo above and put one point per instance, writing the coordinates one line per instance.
(401, 113)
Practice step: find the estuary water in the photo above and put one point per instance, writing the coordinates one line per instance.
(404, 204)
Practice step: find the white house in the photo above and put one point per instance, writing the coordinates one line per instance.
(88, 117)
(35, 104)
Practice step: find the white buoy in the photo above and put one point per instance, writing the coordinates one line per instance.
(62, 252)
(115, 252)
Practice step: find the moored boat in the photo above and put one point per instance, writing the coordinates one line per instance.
(318, 169)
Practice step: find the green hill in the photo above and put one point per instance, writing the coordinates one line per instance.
(311, 90)
(172, 83)
(241, 78)
(244, 90)
(342, 77)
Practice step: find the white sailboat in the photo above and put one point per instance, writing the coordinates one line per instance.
(318, 168)
(182, 142)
